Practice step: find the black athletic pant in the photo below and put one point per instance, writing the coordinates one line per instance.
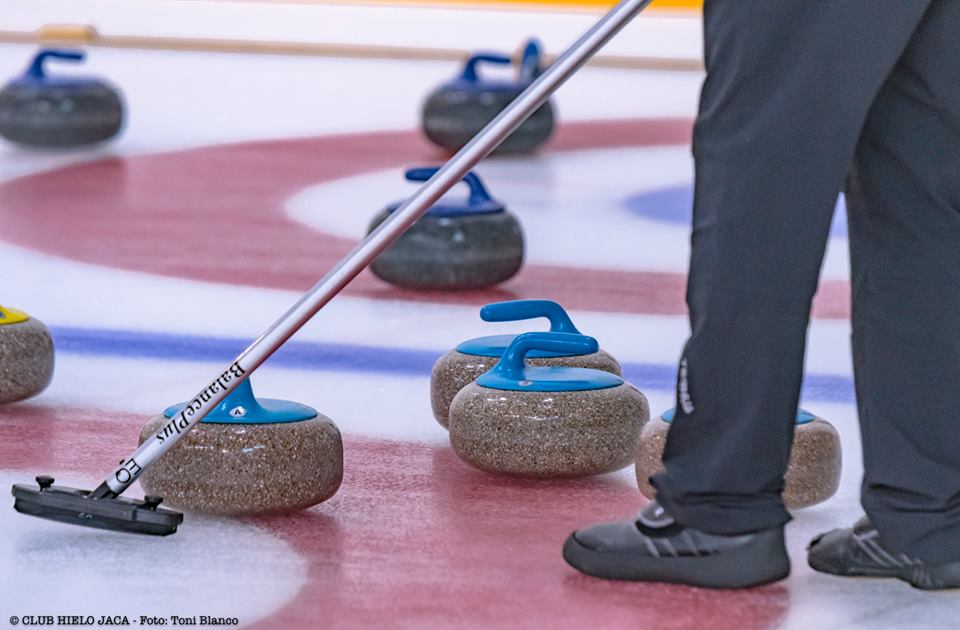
(804, 98)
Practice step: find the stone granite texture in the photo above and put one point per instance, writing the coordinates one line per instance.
(547, 434)
(59, 116)
(452, 117)
(455, 370)
(813, 474)
(246, 469)
(452, 253)
(26, 360)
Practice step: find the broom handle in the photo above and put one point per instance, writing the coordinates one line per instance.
(370, 247)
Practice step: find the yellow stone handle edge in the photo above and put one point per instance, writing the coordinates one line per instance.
(12, 316)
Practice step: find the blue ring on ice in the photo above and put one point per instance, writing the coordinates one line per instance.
(338, 357)
(674, 205)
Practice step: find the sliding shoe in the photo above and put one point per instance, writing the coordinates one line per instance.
(654, 548)
(858, 551)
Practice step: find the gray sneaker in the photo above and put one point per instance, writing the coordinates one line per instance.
(654, 548)
(858, 551)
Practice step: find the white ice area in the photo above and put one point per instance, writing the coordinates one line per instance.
(233, 98)
(570, 205)
(50, 569)
(99, 297)
(652, 34)
(177, 100)
(180, 100)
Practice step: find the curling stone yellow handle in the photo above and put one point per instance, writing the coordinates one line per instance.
(12, 316)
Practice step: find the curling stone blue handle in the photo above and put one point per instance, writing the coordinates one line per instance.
(512, 363)
(470, 69)
(530, 61)
(479, 195)
(36, 66)
(515, 310)
(241, 406)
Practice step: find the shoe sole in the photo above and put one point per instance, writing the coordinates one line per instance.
(936, 578)
(762, 561)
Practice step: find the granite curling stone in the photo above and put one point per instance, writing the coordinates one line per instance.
(813, 474)
(40, 110)
(465, 363)
(26, 356)
(248, 457)
(547, 421)
(457, 110)
(456, 245)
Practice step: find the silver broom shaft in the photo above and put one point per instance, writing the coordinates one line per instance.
(374, 244)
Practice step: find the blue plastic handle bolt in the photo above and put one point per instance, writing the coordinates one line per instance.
(515, 310)
(479, 194)
(530, 61)
(511, 364)
(36, 66)
(242, 396)
(470, 68)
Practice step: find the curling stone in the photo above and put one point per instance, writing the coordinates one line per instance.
(813, 474)
(462, 365)
(248, 456)
(456, 245)
(26, 356)
(457, 110)
(40, 110)
(547, 421)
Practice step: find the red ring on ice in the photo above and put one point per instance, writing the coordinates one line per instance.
(216, 214)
